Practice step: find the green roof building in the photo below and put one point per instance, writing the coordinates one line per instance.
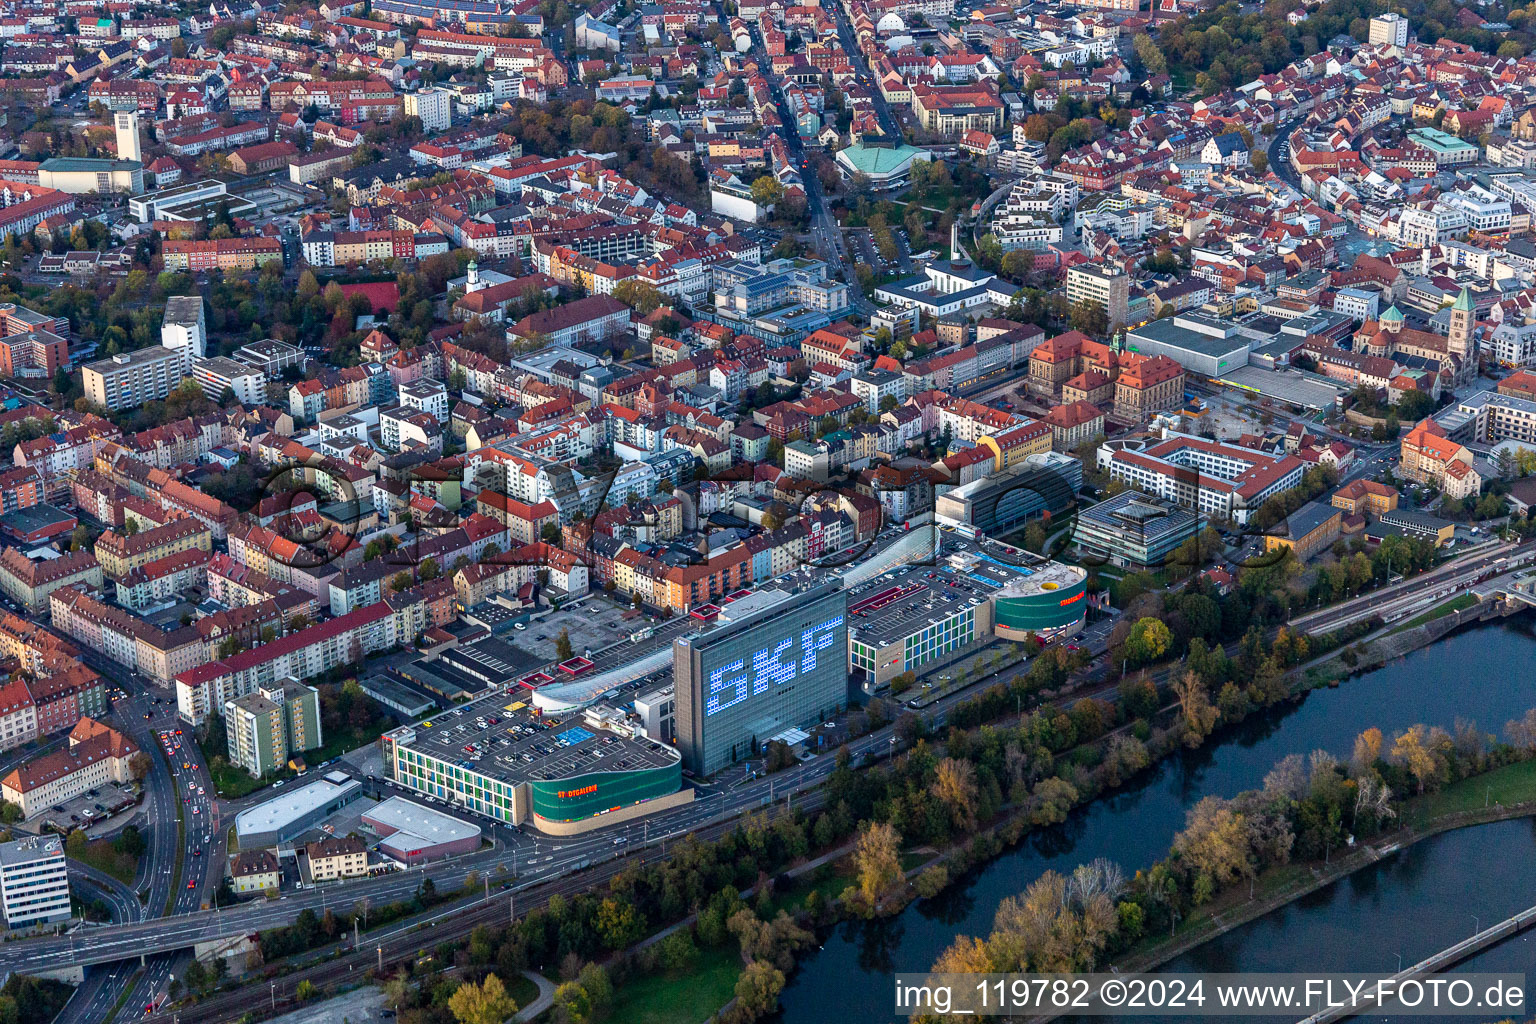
(884, 166)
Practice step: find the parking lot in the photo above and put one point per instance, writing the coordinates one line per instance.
(88, 809)
(593, 625)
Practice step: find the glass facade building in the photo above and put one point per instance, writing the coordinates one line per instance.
(779, 663)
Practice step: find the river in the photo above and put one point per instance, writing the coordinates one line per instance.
(1423, 894)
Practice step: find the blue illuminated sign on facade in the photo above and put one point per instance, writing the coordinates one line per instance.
(772, 666)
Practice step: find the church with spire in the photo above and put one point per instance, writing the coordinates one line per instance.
(1453, 356)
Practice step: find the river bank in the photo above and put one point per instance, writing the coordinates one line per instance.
(1423, 818)
(1135, 824)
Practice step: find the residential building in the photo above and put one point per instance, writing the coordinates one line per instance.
(268, 727)
(130, 379)
(255, 871)
(337, 857)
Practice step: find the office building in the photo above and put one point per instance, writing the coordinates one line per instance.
(1133, 529)
(266, 728)
(130, 379)
(1215, 478)
(1106, 288)
(774, 662)
(1306, 531)
(1389, 30)
(922, 619)
(34, 881)
(1005, 501)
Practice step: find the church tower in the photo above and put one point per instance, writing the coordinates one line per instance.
(1459, 341)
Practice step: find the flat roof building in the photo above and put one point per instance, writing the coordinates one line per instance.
(1134, 529)
(775, 660)
(1005, 501)
(498, 758)
(34, 881)
(413, 833)
(1201, 344)
(290, 815)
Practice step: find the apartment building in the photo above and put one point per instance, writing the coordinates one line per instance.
(130, 379)
(220, 254)
(97, 754)
(30, 583)
(207, 688)
(215, 376)
(268, 727)
(34, 881)
(254, 871)
(337, 857)
(121, 553)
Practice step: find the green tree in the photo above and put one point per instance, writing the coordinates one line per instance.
(563, 647)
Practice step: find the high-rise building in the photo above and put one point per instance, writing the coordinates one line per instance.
(772, 662)
(1389, 30)
(34, 881)
(185, 327)
(433, 106)
(130, 379)
(1107, 288)
(128, 147)
(267, 727)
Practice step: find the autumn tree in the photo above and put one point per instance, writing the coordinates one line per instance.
(1199, 715)
(485, 1003)
(878, 858)
(563, 645)
(758, 988)
(1422, 753)
(954, 786)
(643, 298)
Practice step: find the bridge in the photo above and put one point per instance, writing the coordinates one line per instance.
(1446, 958)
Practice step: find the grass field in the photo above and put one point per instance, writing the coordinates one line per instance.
(1511, 784)
(829, 880)
(1460, 603)
(680, 999)
(100, 854)
(522, 990)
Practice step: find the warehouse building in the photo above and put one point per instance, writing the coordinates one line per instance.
(285, 818)
(413, 833)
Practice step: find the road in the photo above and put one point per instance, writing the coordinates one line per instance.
(171, 860)
(1279, 153)
(826, 233)
(1455, 574)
